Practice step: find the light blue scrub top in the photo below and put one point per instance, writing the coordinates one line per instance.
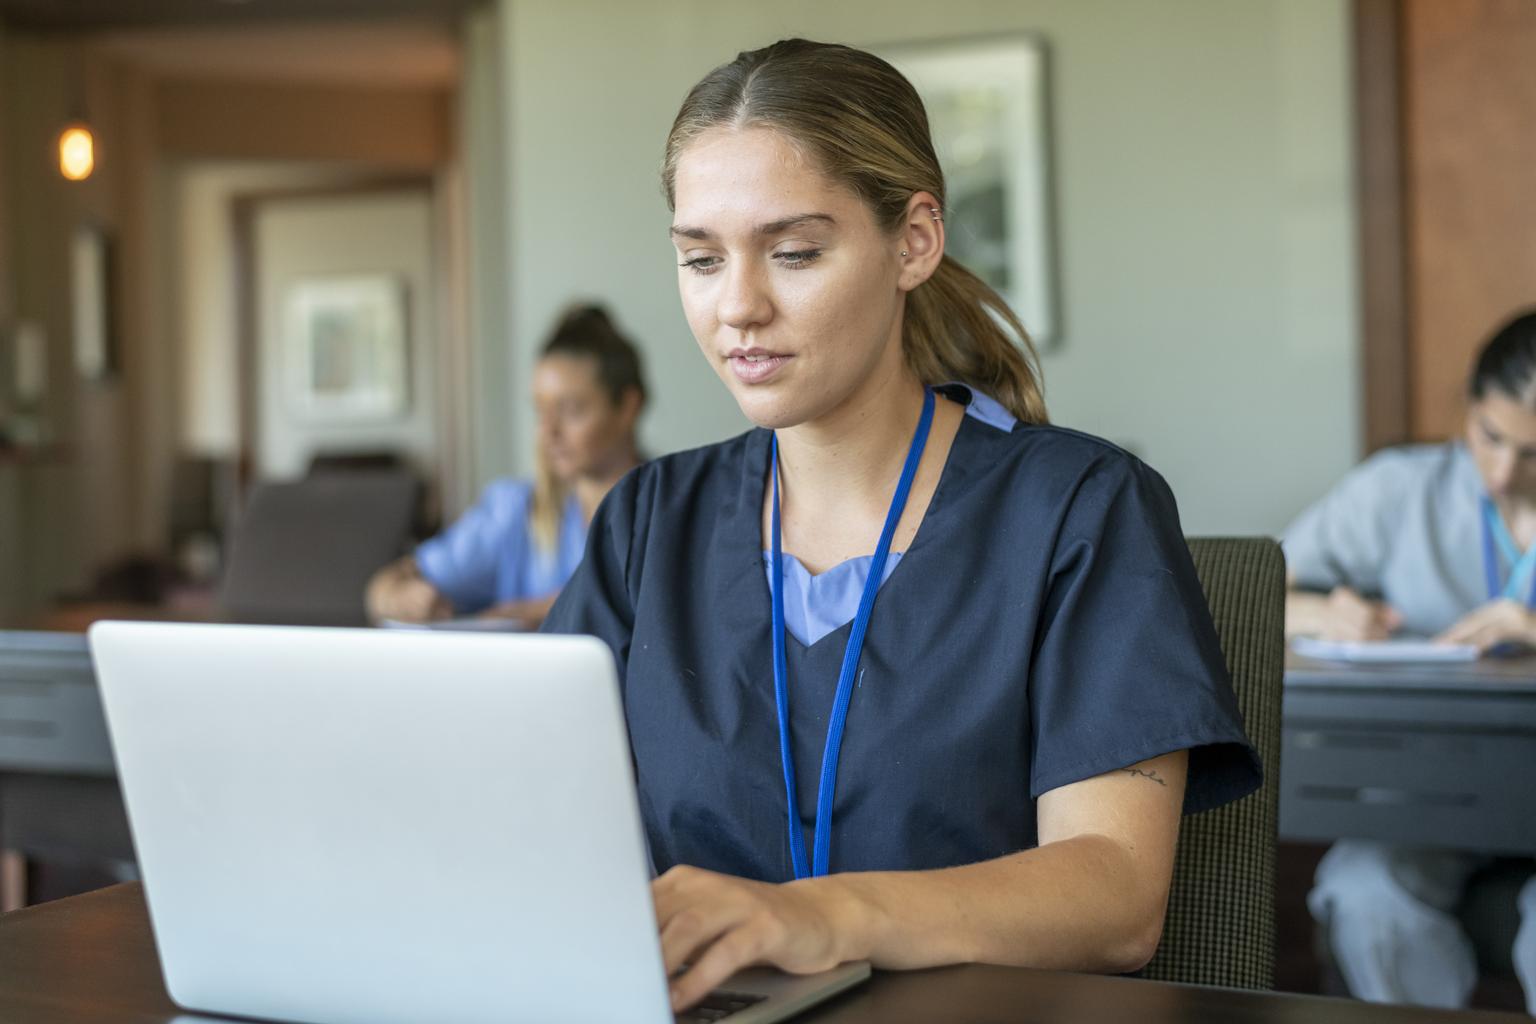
(1404, 526)
(489, 555)
(817, 605)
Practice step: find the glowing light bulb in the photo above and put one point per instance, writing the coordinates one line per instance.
(77, 152)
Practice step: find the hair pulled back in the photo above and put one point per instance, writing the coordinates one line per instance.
(864, 125)
(1507, 363)
(584, 331)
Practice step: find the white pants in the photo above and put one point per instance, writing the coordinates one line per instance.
(1389, 911)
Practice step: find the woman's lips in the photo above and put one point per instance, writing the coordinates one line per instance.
(756, 367)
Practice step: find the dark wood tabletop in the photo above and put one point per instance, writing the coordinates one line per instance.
(92, 958)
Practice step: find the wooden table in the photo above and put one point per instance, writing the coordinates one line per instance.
(1425, 755)
(91, 958)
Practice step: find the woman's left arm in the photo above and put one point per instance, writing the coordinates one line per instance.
(1090, 897)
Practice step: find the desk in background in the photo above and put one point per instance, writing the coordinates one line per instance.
(91, 958)
(58, 785)
(1436, 755)
(1425, 755)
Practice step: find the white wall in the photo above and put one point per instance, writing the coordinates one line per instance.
(1204, 217)
(483, 135)
(199, 201)
(387, 233)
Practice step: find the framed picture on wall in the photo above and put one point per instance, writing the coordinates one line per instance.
(345, 348)
(988, 113)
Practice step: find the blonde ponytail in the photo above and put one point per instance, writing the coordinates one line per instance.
(951, 332)
(549, 497)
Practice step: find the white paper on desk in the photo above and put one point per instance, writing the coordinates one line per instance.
(479, 624)
(1382, 651)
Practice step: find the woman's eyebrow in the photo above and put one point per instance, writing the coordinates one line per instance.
(780, 226)
(773, 227)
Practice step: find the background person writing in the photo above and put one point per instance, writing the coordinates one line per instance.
(510, 554)
(1435, 540)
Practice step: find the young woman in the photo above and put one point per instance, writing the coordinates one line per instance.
(910, 676)
(510, 554)
(1436, 540)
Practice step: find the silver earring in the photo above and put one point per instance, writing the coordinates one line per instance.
(903, 254)
(935, 211)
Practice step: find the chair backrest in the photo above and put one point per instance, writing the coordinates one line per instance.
(1220, 928)
(302, 552)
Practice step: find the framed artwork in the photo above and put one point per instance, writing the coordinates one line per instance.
(345, 349)
(989, 116)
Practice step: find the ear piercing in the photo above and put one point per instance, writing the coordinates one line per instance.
(936, 216)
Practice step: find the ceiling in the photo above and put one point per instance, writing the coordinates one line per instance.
(400, 53)
(92, 15)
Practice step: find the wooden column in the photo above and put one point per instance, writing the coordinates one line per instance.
(1379, 184)
(1469, 140)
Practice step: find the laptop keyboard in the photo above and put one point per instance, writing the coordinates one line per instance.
(719, 1005)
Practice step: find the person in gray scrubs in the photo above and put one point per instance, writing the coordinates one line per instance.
(1437, 540)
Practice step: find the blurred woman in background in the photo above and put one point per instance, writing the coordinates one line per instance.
(509, 555)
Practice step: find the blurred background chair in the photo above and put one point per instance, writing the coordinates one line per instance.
(1220, 928)
(302, 552)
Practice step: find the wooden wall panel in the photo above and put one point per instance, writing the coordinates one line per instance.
(394, 127)
(1469, 119)
(1379, 176)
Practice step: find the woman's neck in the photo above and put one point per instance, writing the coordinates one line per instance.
(1519, 519)
(855, 452)
(838, 474)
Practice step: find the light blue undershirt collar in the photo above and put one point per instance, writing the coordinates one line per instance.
(816, 605)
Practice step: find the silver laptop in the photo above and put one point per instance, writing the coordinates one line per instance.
(339, 826)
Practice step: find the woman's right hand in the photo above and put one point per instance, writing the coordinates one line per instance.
(1351, 617)
(415, 601)
(399, 592)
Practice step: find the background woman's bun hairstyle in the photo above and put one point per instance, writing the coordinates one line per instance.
(585, 330)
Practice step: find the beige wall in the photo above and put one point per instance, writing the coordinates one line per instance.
(487, 189)
(83, 499)
(11, 569)
(5, 248)
(375, 233)
(1204, 216)
(102, 492)
(200, 197)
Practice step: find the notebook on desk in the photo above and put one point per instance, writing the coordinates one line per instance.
(1404, 651)
(347, 825)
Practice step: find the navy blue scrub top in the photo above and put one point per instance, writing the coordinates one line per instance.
(1044, 626)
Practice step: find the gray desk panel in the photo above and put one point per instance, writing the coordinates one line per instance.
(1493, 675)
(51, 718)
(1433, 756)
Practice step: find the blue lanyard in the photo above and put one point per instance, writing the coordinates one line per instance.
(823, 835)
(1495, 538)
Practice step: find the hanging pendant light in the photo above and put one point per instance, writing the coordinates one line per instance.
(77, 151)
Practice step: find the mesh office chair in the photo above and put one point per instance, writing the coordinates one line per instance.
(1220, 928)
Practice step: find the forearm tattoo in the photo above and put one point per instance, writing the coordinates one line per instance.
(1147, 775)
